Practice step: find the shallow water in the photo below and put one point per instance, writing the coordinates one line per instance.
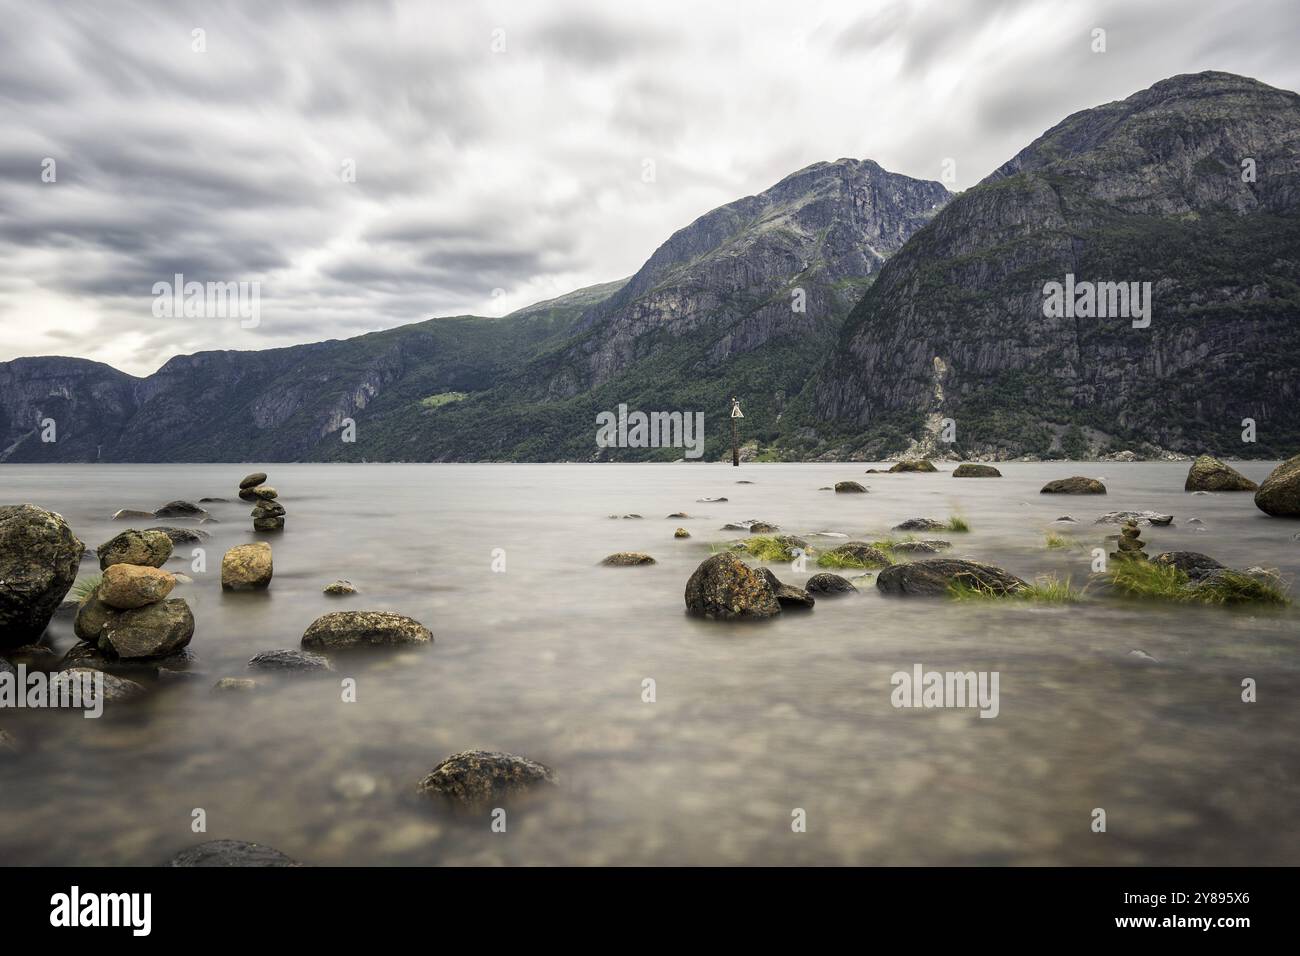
(751, 721)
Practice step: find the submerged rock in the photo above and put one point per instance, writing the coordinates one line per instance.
(288, 659)
(147, 548)
(182, 535)
(1077, 485)
(155, 630)
(936, 576)
(1279, 495)
(920, 524)
(849, 487)
(1138, 517)
(788, 596)
(711, 500)
(724, 588)
(86, 654)
(247, 567)
(679, 514)
(39, 556)
(933, 546)
(115, 689)
(914, 464)
(236, 684)
(132, 514)
(627, 559)
(828, 584)
(347, 629)
(477, 779)
(339, 588)
(127, 586)
(971, 470)
(1191, 563)
(180, 509)
(762, 527)
(231, 853)
(681, 533)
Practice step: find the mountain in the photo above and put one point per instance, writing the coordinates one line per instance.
(747, 300)
(1154, 188)
(710, 314)
(272, 405)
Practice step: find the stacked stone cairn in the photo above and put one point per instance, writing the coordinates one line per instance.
(128, 616)
(268, 515)
(1130, 543)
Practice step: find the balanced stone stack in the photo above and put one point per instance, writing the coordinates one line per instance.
(128, 616)
(268, 515)
(1130, 543)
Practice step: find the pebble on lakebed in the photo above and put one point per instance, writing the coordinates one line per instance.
(479, 778)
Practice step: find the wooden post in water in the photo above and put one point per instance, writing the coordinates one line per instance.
(735, 448)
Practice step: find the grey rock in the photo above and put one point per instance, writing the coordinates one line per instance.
(288, 659)
(231, 853)
(348, 629)
(480, 778)
(936, 576)
(39, 557)
(148, 548)
(825, 583)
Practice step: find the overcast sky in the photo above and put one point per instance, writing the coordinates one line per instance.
(501, 150)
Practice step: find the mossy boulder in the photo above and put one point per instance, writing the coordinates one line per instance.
(1191, 563)
(627, 559)
(855, 554)
(725, 588)
(1279, 495)
(1077, 485)
(478, 779)
(969, 469)
(913, 464)
(39, 557)
(1209, 474)
(937, 576)
(155, 630)
(348, 629)
(146, 548)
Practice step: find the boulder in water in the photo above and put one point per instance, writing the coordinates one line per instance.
(856, 554)
(971, 470)
(247, 567)
(913, 464)
(155, 630)
(1192, 563)
(788, 596)
(132, 514)
(39, 556)
(347, 629)
(147, 548)
(180, 509)
(828, 584)
(1209, 474)
(1137, 517)
(231, 853)
(339, 588)
(849, 487)
(936, 576)
(627, 559)
(724, 588)
(920, 524)
(182, 535)
(1078, 485)
(681, 533)
(1279, 495)
(476, 779)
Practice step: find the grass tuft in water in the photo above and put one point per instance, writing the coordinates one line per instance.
(957, 523)
(1057, 541)
(1044, 590)
(1163, 582)
(767, 547)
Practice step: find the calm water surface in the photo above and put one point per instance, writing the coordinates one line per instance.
(751, 721)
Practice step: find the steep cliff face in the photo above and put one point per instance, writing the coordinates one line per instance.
(1155, 189)
(62, 409)
(733, 273)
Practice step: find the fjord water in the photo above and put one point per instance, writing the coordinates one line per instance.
(750, 722)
